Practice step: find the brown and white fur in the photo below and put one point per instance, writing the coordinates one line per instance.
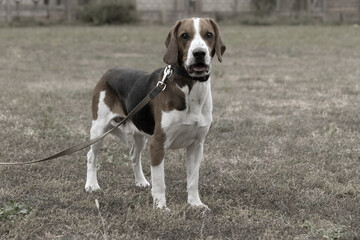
(182, 113)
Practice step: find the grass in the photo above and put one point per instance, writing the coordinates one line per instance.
(13, 209)
(281, 160)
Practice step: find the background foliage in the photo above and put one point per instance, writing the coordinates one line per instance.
(263, 8)
(109, 12)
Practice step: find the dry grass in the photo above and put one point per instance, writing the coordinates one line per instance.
(281, 159)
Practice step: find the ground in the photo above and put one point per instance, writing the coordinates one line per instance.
(281, 161)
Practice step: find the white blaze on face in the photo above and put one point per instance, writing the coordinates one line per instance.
(197, 43)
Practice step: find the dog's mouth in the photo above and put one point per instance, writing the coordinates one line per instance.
(198, 69)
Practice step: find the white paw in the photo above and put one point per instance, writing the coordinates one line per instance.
(199, 204)
(92, 187)
(166, 209)
(160, 204)
(143, 183)
(163, 208)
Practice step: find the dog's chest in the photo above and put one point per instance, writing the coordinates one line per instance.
(189, 126)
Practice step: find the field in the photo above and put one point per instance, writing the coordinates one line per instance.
(281, 161)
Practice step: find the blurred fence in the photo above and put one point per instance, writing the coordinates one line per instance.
(171, 10)
(326, 10)
(47, 9)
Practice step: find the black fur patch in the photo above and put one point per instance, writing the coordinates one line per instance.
(132, 86)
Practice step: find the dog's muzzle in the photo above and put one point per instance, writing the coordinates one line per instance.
(199, 66)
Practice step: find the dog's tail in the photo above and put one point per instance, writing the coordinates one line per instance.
(119, 133)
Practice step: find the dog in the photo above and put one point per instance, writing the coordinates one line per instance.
(179, 117)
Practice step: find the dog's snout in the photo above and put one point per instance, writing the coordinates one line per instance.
(199, 53)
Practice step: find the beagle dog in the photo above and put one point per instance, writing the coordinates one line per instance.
(179, 117)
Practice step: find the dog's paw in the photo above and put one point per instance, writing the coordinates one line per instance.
(166, 209)
(163, 208)
(199, 204)
(92, 187)
(142, 184)
(160, 204)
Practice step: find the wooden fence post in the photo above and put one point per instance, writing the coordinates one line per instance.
(18, 10)
(50, 7)
(278, 7)
(8, 11)
(68, 8)
(359, 10)
(325, 10)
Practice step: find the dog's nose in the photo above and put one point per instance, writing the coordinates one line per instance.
(199, 53)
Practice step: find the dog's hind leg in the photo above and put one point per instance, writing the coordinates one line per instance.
(136, 150)
(97, 129)
(102, 116)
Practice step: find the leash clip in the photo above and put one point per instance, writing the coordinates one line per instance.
(168, 71)
(163, 85)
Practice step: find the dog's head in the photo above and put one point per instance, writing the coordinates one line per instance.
(192, 43)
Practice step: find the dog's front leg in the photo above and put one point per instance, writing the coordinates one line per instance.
(157, 173)
(193, 160)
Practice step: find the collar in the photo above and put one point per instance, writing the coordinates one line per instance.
(185, 74)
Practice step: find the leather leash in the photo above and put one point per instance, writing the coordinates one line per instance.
(160, 86)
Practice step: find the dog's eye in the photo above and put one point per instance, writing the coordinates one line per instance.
(184, 36)
(209, 35)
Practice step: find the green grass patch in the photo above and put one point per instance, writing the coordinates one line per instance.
(13, 209)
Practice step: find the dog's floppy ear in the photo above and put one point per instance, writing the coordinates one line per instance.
(219, 45)
(172, 51)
